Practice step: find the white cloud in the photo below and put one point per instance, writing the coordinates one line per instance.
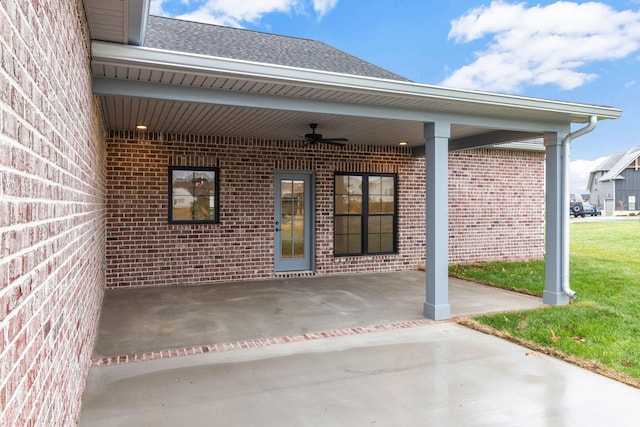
(541, 44)
(322, 7)
(234, 13)
(579, 171)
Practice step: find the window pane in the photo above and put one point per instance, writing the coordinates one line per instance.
(348, 194)
(386, 204)
(286, 189)
(355, 205)
(386, 224)
(374, 224)
(355, 243)
(347, 235)
(298, 248)
(341, 225)
(342, 183)
(381, 204)
(355, 224)
(348, 184)
(374, 243)
(355, 184)
(340, 245)
(298, 228)
(286, 229)
(381, 194)
(388, 186)
(375, 183)
(286, 248)
(193, 194)
(375, 204)
(386, 242)
(347, 225)
(380, 233)
(342, 203)
(381, 185)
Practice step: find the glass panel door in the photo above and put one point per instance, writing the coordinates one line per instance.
(293, 223)
(292, 218)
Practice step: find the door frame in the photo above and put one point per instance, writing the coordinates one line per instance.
(284, 266)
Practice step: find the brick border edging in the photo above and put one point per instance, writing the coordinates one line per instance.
(259, 342)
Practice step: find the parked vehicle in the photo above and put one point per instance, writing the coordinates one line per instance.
(576, 209)
(591, 210)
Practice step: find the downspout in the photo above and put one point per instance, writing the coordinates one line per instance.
(593, 121)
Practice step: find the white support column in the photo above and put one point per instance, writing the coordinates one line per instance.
(557, 214)
(436, 137)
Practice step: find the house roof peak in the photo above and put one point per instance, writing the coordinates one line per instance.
(255, 46)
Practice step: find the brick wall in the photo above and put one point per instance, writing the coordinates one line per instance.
(52, 212)
(144, 250)
(496, 205)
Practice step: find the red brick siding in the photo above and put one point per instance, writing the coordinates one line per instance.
(144, 250)
(52, 212)
(496, 205)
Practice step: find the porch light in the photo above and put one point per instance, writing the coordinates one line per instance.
(141, 126)
(403, 143)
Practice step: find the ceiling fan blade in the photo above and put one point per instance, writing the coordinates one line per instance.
(334, 142)
(315, 138)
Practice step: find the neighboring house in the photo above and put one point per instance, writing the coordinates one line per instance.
(615, 184)
(182, 198)
(85, 200)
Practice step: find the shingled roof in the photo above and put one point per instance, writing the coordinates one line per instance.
(616, 163)
(233, 43)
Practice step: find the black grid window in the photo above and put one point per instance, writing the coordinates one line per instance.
(365, 214)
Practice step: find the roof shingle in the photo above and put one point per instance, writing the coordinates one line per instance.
(233, 43)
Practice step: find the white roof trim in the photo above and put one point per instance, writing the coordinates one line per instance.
(137, 14)
(157, 59)
(520, 146)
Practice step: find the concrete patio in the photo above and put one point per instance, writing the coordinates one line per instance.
(429, 373)
(138, 320)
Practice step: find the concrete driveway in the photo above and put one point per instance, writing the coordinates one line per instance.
(378, 362)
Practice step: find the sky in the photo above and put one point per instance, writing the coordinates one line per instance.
(576, 51)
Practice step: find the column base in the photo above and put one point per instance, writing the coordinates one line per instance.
(437, 312)
(553, 298)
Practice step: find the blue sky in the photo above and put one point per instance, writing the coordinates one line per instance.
(564, 50)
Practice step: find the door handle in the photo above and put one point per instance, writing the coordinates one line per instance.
(277, 223)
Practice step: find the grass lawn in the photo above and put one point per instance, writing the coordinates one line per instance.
(601, 329)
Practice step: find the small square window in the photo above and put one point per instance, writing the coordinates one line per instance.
(193, 195)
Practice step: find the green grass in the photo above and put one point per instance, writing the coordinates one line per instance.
(603, 324)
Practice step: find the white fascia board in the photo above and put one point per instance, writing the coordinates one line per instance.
(134, 88)
(520, 146)
(157, 59)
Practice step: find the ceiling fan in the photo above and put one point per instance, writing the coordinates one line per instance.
(315, 138)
